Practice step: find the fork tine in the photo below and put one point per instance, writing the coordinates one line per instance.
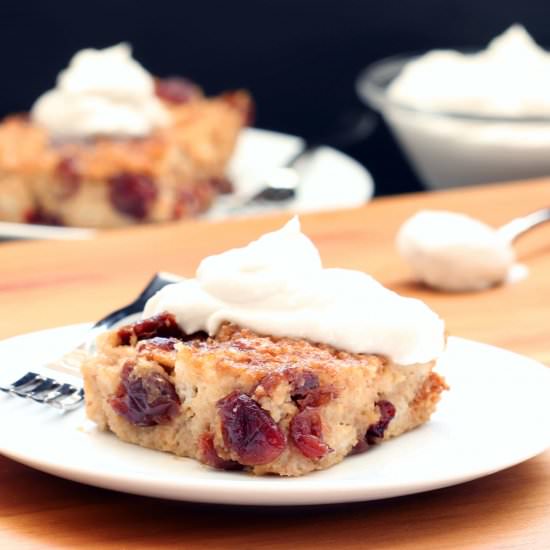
(60, 391)
(23, 381)
(46, 385)
(29, 379)
(41, 393)
(69, 401)
(65, 397)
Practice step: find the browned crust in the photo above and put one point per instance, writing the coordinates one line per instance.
(24, 147)
(428, 396)
(235, 350)
(203, 129)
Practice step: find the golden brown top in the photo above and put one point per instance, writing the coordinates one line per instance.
(203, 129)
(236, 348)
(23, 146)
(232, 349)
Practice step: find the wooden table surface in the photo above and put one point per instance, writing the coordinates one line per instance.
(45, 284)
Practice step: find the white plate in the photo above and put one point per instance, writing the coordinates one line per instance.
(496, 415)
(330, 179)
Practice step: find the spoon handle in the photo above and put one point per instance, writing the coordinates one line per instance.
(512, 230)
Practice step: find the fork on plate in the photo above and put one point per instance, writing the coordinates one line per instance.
(65, 396)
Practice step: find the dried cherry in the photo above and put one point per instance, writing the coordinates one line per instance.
(176, 89)
(376, 431)
(163, 325)
(146, 400)
(208, 454)
(68, 178)
(307, 390)
(249, 431)
(132, 194)
(306, 432)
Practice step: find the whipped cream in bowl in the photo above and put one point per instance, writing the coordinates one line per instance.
(277, 286)
(102, 92)
(466, 118)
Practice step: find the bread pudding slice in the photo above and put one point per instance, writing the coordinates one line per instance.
(242, 400)
(104, 181)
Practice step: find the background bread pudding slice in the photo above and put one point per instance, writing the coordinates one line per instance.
(174, 172)
(240, 400)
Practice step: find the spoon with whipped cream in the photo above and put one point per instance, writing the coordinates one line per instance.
(452, 251)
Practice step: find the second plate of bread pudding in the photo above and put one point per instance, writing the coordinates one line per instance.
(111, 145)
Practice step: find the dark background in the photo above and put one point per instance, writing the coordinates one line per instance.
(299, 58)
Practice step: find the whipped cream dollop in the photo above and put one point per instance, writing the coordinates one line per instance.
(102, 92)
(509, 78)
(277, 286)
(452, 251)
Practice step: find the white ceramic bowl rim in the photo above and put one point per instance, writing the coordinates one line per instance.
(373, 82)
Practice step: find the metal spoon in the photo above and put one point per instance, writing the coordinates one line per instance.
(518, 226)
(281, 184)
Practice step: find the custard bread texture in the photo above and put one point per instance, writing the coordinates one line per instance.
(173, 173)
(241, 400)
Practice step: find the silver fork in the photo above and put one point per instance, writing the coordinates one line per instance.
(68, 397)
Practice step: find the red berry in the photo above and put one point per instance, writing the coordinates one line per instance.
(158, 342)
(307, 390)
(186, 204)
(146, 400)
(270, 381)
(132, 194)
(38, 216)
(360, 447)
(176, 89)
(249, 431)
(222, 185)
(68, 178)
(208, 454)
(306, 432)
(376, 431)
(163, 325)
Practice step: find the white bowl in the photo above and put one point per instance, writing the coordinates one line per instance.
(450, 149)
